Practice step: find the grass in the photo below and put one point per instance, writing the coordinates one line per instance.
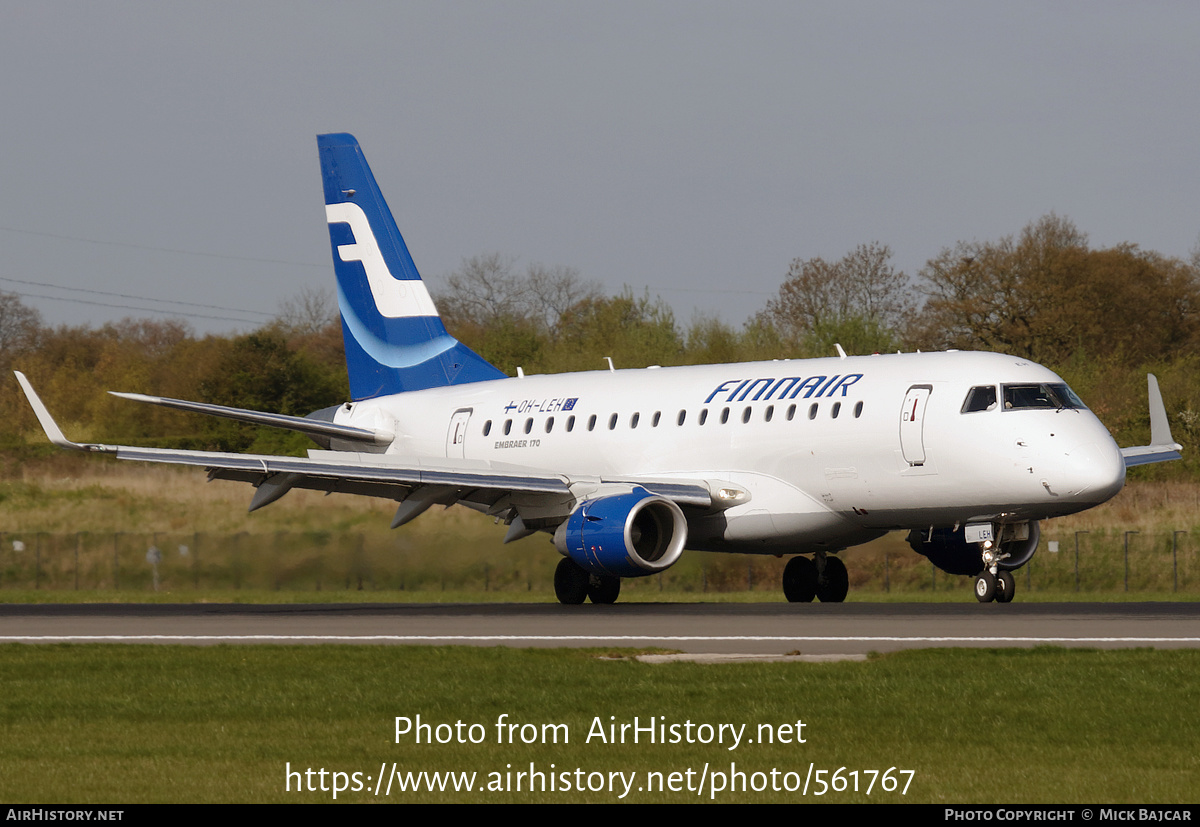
(134, 724)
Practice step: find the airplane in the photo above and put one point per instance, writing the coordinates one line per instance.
(625, 469)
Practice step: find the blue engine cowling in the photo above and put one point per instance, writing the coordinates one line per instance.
(949, 550)
(624, 535)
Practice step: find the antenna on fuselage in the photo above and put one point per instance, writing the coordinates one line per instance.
(841, 353)
(611, 369)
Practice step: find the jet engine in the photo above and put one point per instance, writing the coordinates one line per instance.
(624, 535)
(948, 549)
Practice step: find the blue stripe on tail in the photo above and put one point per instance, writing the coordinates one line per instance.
(395, 341)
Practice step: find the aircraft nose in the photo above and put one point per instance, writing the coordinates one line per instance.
(1095, 471)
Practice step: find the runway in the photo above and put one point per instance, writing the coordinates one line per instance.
(763, 628)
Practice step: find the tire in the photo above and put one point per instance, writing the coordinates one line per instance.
(833, 586)
(800, 580)
(570, 582)
(1006, 587)
(603, 589)
(985, 587)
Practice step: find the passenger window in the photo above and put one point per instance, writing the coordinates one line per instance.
(724, 415)
(529, 424)
(657, 416)
(612, 422)
(770, 411)
(703, 415)
(981, 398)
(812, 411)
(592, 422)
(746, 415)
(791, 412)
(682, 417)
(858, 410)
(487, 427)
(570, 424)
(507, 426)
(549, 424)
(633, 420)
(837, 409)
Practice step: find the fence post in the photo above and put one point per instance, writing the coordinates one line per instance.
(1077, 533)
(1127, 533)
(1175, 560)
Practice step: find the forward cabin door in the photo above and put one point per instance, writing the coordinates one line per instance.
(912, 424)
(456, 436)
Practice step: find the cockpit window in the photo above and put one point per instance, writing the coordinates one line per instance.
(1024, 397)
(981, 398)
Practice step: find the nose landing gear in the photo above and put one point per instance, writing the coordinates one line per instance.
(993, 583)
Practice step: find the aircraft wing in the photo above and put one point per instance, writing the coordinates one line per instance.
(318, 429)
(499, 489)
(1162, 447)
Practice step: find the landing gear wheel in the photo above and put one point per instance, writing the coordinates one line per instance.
(603, 589)
(800, 580)
(1006, 587)
(570, 582)
(985, 587)
(834, 583)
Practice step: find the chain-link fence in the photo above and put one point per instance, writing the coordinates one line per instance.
(1096, 561)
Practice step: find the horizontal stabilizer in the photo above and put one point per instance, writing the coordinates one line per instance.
(312, 427)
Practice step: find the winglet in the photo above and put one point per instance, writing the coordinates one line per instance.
(53, 432)
(1160, 429)
(1162, 447)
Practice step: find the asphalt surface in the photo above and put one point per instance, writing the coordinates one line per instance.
(766, 628)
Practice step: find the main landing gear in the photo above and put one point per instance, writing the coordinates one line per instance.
(825, 579)
(572, 585)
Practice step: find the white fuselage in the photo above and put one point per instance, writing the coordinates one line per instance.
(833, 452)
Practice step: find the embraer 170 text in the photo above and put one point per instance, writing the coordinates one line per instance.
(627, 468)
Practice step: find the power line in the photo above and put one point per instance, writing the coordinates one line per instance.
(134, 298)
(149, 248)
(162, 311)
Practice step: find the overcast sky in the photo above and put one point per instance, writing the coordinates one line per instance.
(167, 150)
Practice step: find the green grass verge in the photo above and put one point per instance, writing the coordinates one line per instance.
(126, 724)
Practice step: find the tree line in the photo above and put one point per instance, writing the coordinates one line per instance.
(1100, 317)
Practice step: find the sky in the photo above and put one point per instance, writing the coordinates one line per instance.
(163, 155)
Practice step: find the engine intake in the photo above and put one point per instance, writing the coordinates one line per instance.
(624, 535)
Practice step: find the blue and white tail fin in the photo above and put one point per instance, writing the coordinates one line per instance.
(395, 341)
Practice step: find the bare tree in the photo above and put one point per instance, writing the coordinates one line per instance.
(308, 312)
(818, 294)
(488, 289)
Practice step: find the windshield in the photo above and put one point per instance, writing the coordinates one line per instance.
(1054, 396)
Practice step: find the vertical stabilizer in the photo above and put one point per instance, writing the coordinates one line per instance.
(395, 340)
